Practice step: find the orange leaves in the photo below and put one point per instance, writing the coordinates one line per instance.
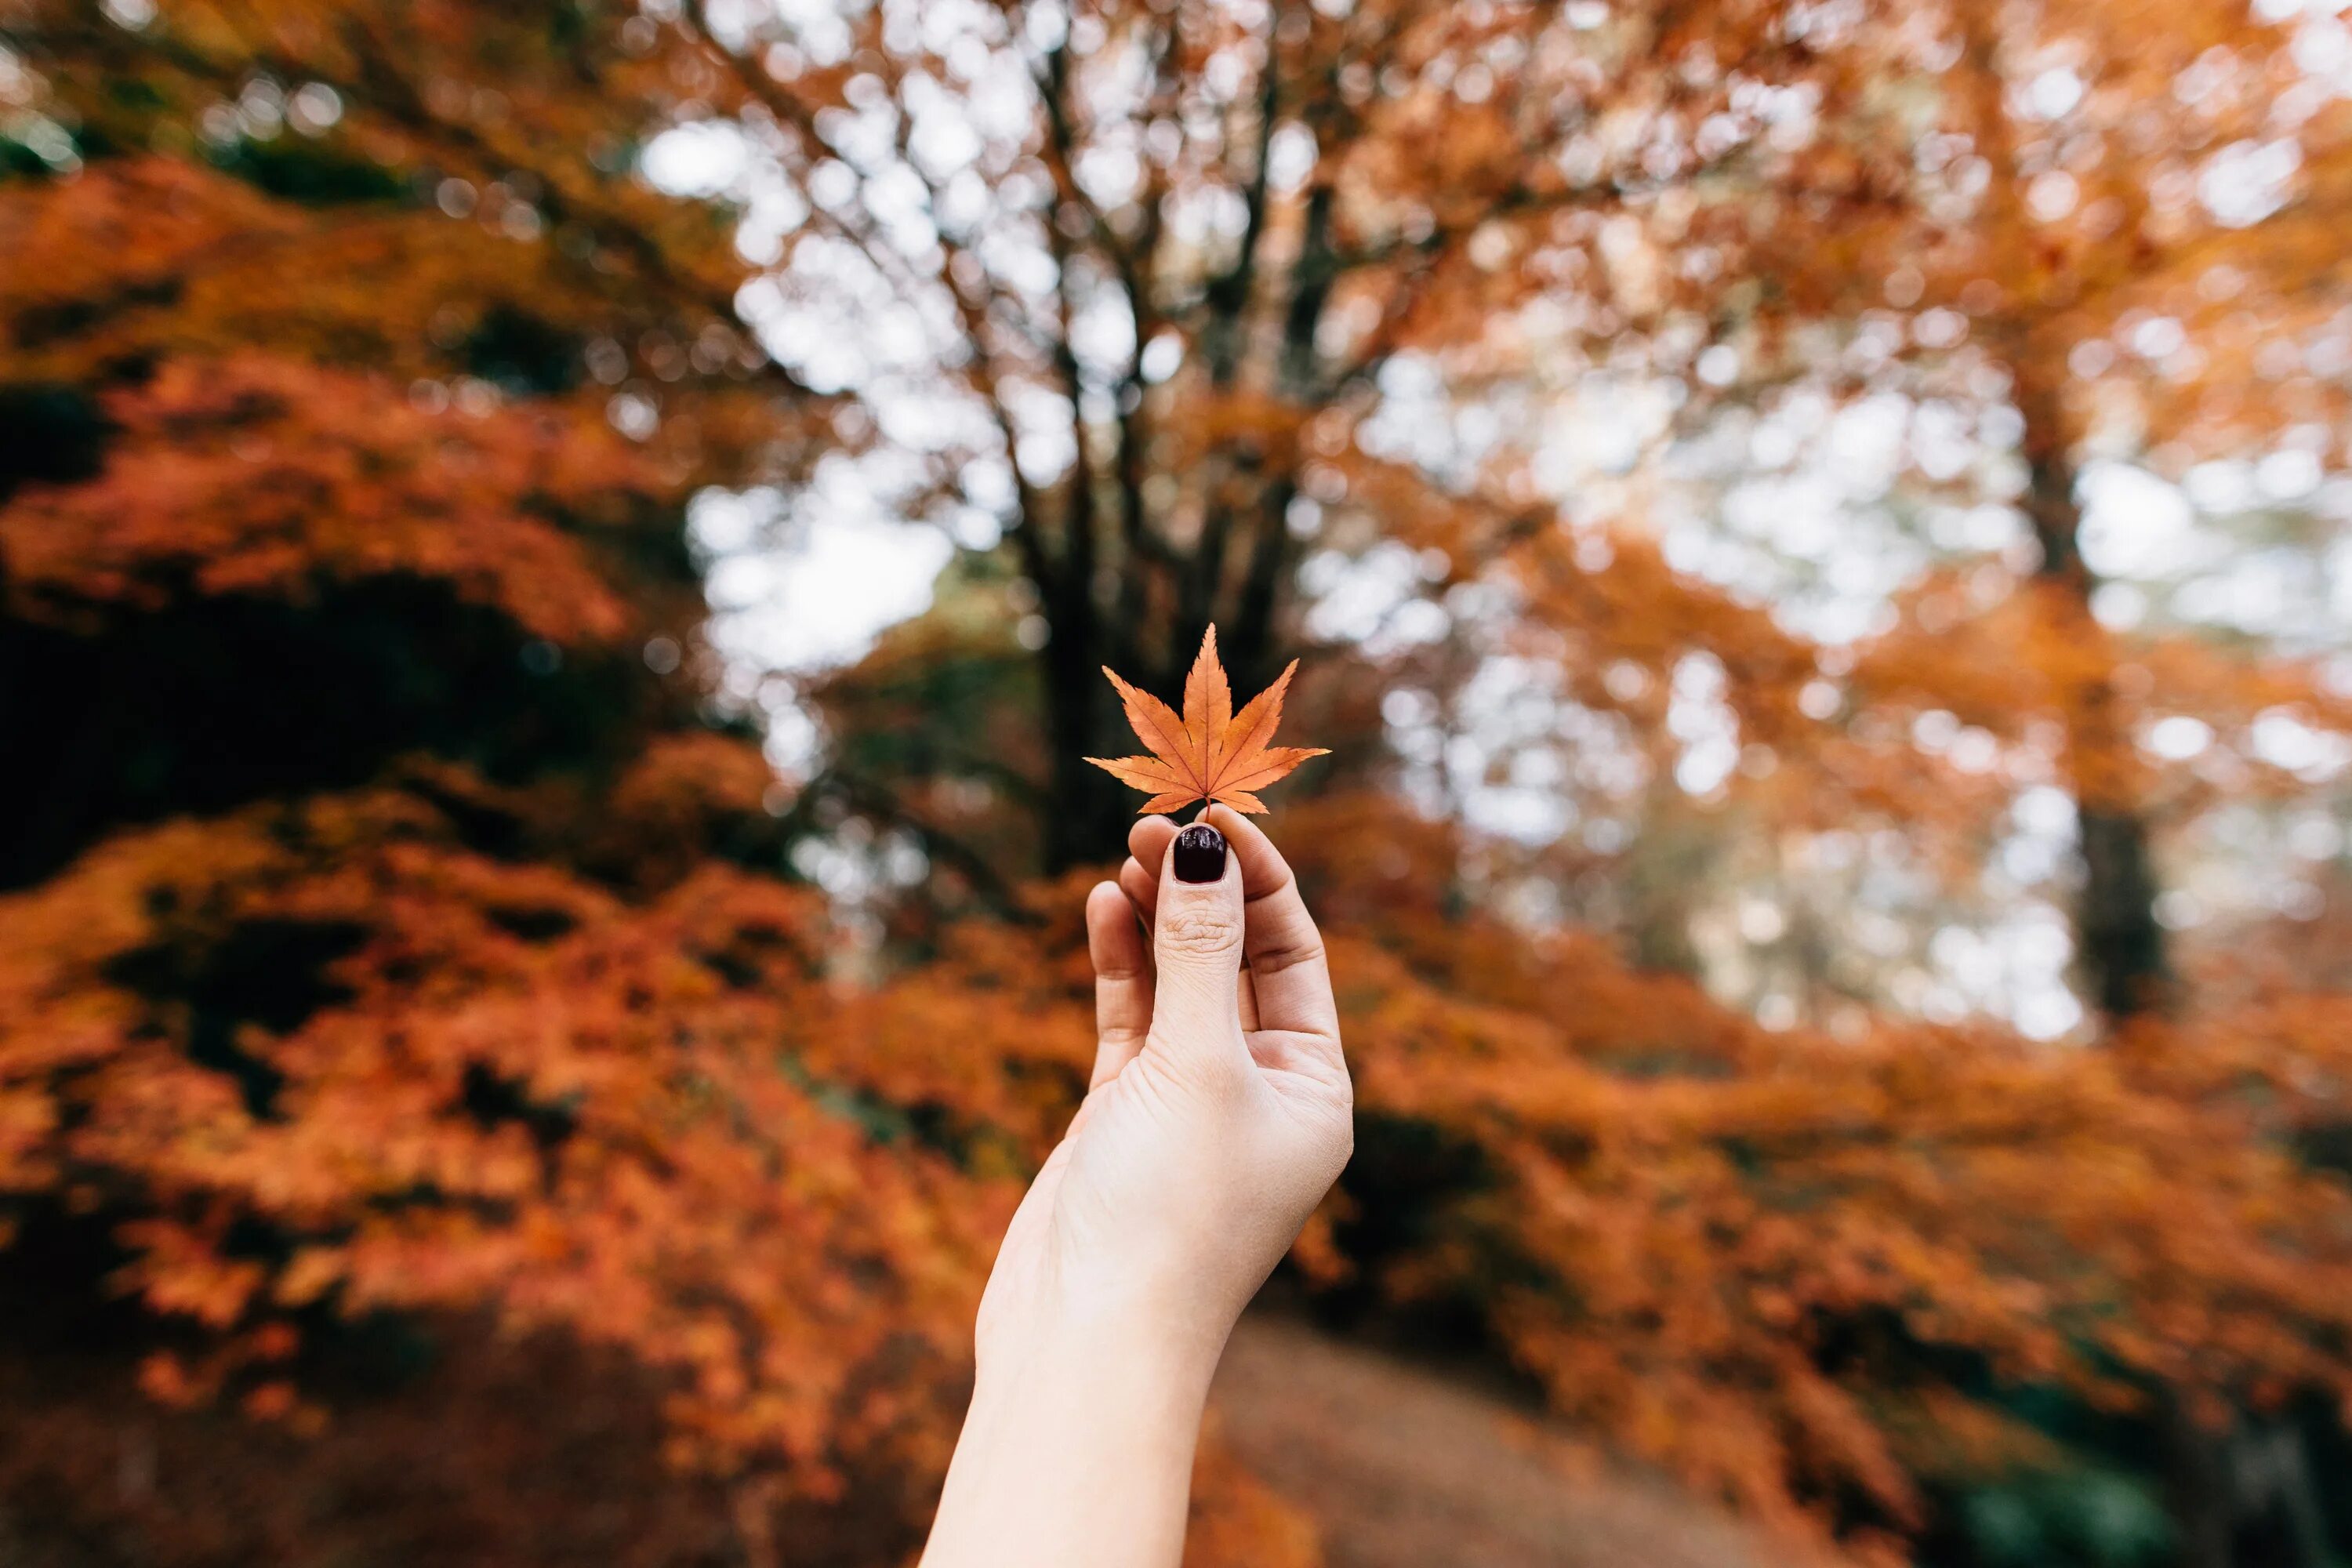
(124, 234)
(1210, 753)
(263, 476)
(507, 1090)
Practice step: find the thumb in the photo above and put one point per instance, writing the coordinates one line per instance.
(1197, 948)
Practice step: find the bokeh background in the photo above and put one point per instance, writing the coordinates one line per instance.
(554, 558)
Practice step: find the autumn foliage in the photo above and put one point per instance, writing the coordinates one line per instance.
(457, 1055)
(1208, 753)
(435, 1087)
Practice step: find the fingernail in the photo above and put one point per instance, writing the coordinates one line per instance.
(1200, 854)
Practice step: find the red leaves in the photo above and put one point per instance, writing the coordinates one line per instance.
(1210, 753)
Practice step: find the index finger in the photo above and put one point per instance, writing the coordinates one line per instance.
(1279, 943)
(1147, 844)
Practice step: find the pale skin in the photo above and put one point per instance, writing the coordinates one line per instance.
(1219, 1115)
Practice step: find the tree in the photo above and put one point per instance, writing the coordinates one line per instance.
(1125, 281)
(2055, 220)
(402, 1003)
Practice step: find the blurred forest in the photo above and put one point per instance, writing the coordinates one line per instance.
(1817, 534)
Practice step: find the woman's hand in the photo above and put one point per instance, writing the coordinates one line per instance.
(1219, 1112)
(1219, 1115)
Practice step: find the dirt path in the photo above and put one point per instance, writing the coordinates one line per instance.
(1403, 1468)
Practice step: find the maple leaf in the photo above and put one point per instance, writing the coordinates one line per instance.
(1211, 752)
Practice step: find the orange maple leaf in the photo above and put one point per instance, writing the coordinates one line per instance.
(1212, 754)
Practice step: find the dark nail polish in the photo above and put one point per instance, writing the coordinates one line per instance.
(1200, 854)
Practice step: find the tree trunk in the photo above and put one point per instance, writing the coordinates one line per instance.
(1088, 811)
(2197, 1480)
(2122, 946)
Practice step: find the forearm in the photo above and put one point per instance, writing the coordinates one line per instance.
(1077, 1453)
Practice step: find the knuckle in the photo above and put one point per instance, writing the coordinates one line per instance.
(1199, 933)
(1288, 955)
(1210, 1079)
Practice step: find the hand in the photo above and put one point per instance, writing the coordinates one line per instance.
(1218, 1115)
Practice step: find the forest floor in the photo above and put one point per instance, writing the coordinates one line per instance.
(1410, 1466)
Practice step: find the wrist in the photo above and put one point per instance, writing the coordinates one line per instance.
(1160, 1346)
